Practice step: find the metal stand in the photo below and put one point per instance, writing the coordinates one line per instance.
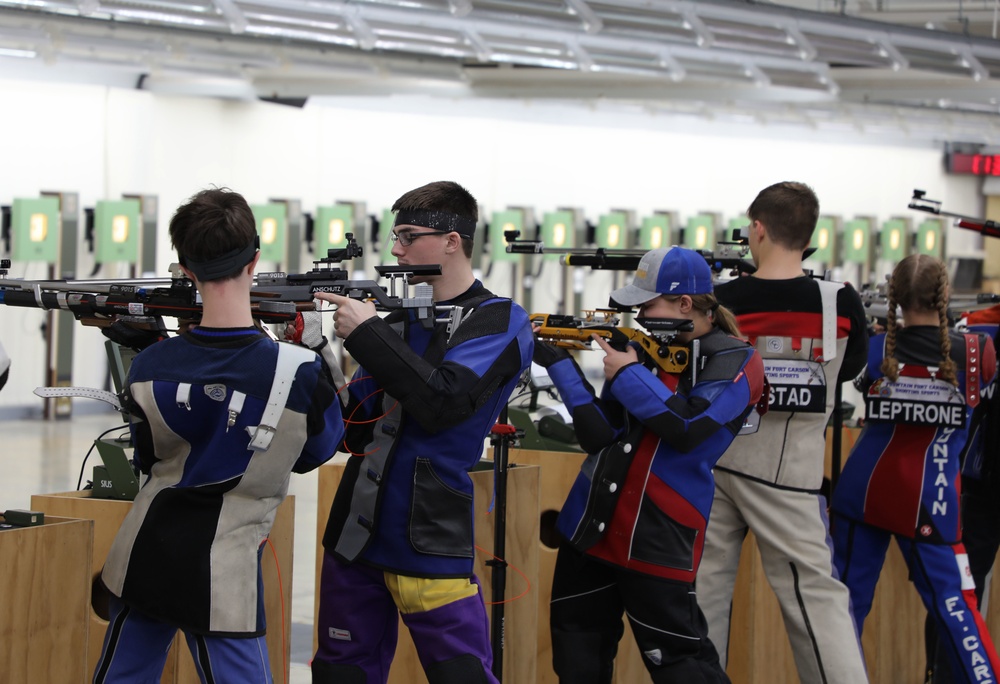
(501, 437)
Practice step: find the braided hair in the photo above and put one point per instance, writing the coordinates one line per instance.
(919, 283)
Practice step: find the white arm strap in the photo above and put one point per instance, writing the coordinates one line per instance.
(290, 358)
(828, 297)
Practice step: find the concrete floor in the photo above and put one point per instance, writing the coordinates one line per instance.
(47, 456)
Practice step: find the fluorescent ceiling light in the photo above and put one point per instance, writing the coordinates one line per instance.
(14, 52)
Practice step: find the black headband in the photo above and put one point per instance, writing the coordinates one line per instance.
(443, 221)
(224, 265)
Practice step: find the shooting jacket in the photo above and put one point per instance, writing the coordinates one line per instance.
(812, 335)
(903, 472)
(643, 495)
(421, 405)
(188, 552)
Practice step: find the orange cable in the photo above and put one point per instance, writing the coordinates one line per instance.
(515, 569)
(349, 420)
(281, 593)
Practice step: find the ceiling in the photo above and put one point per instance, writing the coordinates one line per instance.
(924, 67)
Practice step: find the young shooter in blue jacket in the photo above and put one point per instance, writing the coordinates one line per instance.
(220, 417)
(400, 534)
(635, 518)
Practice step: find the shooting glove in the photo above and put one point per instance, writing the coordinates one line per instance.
(307, 330)
(547, 354)
(133, 338)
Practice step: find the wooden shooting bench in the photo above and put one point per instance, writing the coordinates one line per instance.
(106, 516)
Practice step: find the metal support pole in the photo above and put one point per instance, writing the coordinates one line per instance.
(501, 437)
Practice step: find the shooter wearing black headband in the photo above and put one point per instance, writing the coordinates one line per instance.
(224, 265)
(399, 537)
(439, 221)
(220, 417)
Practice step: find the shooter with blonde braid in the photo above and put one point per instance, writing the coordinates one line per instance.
(913, 297)
(902, 478)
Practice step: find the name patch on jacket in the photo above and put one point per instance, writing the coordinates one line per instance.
(920, 401)
(798, 386)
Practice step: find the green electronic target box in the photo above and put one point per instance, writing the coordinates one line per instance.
(857, 241)
(824, 240)
(930, 238)
(655, 232)
(558, 232)
(503, 221)
(699, 233)
(612, 230)
(35, 229)
(117, 224)
(331, 226)
(272, 227)
(893, 240)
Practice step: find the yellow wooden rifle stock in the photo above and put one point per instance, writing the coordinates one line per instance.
(573, 332)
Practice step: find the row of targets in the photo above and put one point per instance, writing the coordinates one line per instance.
(867, 246)
(45, 229)
(124, 230)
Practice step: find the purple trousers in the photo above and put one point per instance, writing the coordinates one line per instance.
(359, 623)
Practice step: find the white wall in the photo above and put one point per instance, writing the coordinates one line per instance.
(103, 142)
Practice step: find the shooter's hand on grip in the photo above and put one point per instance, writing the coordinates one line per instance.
(350, 312)
(130, 336)
(615, 360)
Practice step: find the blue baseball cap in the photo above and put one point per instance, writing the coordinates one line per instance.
(669, 271)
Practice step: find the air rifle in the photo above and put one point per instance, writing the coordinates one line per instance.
(728, 255)
(985, 227)
(574, 332)
(135, 308)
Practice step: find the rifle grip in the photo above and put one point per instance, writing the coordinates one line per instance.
(618, 340)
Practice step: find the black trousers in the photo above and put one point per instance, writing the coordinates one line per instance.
(590, 597)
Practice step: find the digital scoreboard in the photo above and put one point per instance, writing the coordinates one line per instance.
(973, 164)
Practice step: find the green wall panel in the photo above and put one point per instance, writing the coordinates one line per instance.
(272, 226)
(330, 227)
(656, 232)
(35, 229)
(930, 238)
(558, 232)
(117, 225)
(503, 221)
(699, 232)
